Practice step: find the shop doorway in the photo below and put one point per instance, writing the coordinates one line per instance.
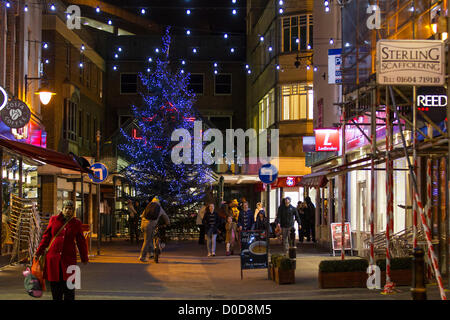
(362, 221)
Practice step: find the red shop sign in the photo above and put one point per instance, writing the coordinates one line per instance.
(327, 139)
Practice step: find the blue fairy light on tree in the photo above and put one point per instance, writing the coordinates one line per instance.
(167, 105)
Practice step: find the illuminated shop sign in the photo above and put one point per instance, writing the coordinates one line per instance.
(433, 102)
(327, 139)
(3, 98)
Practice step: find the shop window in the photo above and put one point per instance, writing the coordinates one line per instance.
(196, 83)
(70, 115)
(297, 102)
(222, 84)
(128, 83)
(297, 32)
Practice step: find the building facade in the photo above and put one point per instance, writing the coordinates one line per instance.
(280, 89)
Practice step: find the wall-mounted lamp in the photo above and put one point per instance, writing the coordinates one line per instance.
(45, 94)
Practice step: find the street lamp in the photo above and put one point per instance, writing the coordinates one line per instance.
(45, 94)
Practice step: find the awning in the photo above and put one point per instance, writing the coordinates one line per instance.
(48, 156)
(314, 180)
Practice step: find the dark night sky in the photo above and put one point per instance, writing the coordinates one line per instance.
(208, 15)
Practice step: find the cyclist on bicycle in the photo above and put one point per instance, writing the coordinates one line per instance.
(150, 217)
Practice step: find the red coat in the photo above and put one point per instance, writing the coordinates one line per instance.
(62, 252)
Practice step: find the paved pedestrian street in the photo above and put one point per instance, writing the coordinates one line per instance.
(185, 272)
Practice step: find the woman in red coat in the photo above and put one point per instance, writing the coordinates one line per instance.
(62, 252)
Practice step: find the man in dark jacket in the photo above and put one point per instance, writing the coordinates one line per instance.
(310, 220)
(285, 219)
(246, 219)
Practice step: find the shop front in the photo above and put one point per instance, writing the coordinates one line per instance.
(19, 175)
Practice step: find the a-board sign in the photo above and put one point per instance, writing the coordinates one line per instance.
(254, 253)
(336, 236)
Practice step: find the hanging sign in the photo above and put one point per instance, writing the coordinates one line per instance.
(433, 102)
(16, 114)
(410, 62)
(327, 139)
(334, 66)
(3, 98)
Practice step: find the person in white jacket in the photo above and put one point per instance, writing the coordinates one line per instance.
(199, 222)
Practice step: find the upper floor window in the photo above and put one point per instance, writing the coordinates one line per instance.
(222, 84)
(196, 83)
(128, 83)
(297, 102)
(70, 120)
(297, 33)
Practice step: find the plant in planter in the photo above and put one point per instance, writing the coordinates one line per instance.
(274, 262)
(349, 273)
(284, 270)
(401, 270)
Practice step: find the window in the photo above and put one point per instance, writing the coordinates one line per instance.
(81, 69)
(100, 83)
(266, 107)
(128, 83)
(196, 83)
(69, 125)
(94, 134)
(297, 27)
(297, 102)
(222, 84)
(88, 74)
(88, 126)
(80, 121)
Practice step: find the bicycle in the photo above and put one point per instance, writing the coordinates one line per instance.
(158, 243)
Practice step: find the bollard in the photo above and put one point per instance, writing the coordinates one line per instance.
(292, 252)
(418, 290)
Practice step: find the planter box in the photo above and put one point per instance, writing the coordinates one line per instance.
(399, 277)
(284, 276)
(353, 279)
(271, 272)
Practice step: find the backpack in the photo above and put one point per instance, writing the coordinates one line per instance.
(152, 211)
(32, 284)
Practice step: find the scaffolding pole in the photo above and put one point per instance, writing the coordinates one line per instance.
(428, 215)
(427, 231)
(372, 180)
(388, 288)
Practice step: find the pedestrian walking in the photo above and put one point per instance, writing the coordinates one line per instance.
(245, 220)
(231, 235)
(262, 222)
(150, 217)
(259, 207)
(310, 220)
(211, 221)
(234, 207)
(285, 219)
(199, 222)
(301, 225)
(132, 221)
(58, 245)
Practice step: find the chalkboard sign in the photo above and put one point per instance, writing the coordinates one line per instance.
(254, 248)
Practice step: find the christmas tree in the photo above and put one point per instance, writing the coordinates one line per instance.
(167, 105)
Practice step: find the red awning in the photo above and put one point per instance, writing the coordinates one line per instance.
(48, 156)
(314, 180)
